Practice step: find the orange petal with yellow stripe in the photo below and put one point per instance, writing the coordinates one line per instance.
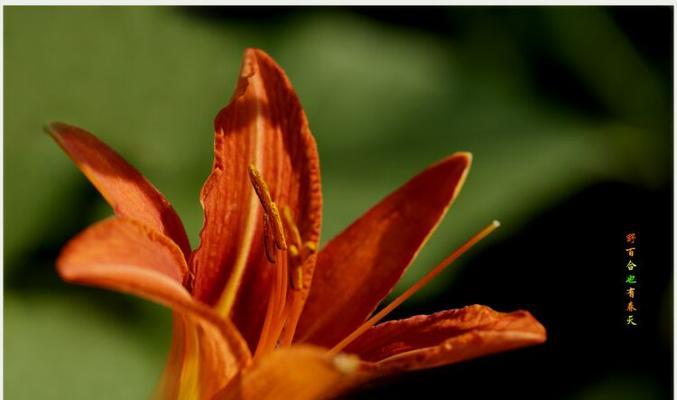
(360, 266)
(299, 373)
(264, 127)
(446, 337)
(129, 257)
(199, 362)
(124, 188)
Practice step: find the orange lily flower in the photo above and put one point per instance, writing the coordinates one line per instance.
(248, 324)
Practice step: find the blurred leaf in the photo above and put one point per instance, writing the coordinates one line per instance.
(150, 89)
(56, 348)
(604, 58)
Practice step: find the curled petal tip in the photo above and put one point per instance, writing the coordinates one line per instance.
(253, 51)
(532, 330)
(47, 128)
(465, 154)
(250, 50)
(250, 55)
(540, 333)
(52, 128)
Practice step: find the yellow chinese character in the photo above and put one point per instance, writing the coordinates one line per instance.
(630, 320)
(630, 307)
(631, 265)
(631, 251)
(631, 292)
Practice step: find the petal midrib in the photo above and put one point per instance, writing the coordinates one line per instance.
(229, 293)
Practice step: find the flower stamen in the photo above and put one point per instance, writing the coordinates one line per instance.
(297, 250)
(415, 287)
(273, 240)
(273, 230)
(292, 229)
(275, 313)
(310, 246)
(297, 281)
(268, 241)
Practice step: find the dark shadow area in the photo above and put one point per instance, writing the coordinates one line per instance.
(647, 29)
(568, 268)
(34, 272)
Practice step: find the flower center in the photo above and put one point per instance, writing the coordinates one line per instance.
(416, 286)
(280, 233)
(274, 227)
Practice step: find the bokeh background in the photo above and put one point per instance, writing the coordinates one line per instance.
(568, 112)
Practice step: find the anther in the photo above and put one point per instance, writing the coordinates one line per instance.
(293, 250)
(267, 241)
(311, 246)
(260, 187)
(278, 232)
(273, 230)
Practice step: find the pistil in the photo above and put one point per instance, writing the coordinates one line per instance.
(280, 233)
(273, 241)
(415, 287)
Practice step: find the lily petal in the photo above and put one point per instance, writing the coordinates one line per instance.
(129, 257)
(360, 266)
(124, 242)
(124, 188)
(445, 337)
(299, 373)
(196, 367)
(170, 383)
(263, 125)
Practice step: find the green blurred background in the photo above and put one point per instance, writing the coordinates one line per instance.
(551, 102)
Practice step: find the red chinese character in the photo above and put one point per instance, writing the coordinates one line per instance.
(630, 237)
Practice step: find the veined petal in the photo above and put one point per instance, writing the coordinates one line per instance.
(124, 188)
(125, 242)
(129, 257)
(446, 337)
(198, 365)
(360, 266)
(178, 358)
(299, 373)
(265, 126)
